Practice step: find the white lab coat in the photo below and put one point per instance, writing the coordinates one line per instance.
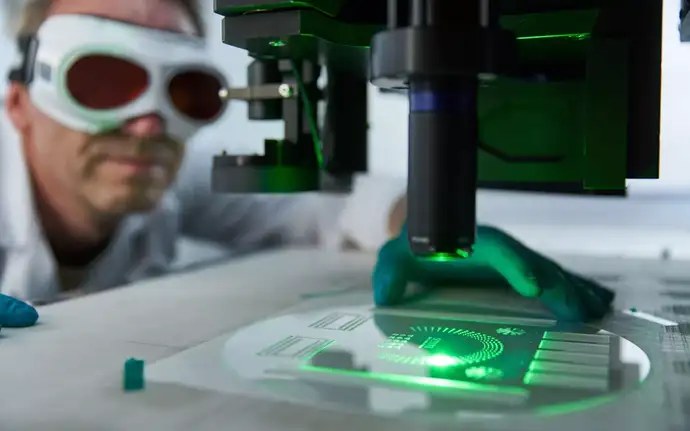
(146, 244)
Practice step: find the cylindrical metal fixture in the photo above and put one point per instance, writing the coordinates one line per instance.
(442, 167)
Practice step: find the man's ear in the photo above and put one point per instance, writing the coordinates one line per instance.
(17, 106)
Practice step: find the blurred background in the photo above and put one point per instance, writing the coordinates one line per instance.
(653, 222)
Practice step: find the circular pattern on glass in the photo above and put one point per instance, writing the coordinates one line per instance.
(463, 368)
(429, 346)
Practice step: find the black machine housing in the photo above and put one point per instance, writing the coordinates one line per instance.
(590, 69)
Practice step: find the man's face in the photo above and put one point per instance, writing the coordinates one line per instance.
(114, 173)
(124, 171)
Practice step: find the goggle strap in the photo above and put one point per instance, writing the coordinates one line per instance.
(24, 72)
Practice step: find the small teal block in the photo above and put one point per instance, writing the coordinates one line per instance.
(133, 376)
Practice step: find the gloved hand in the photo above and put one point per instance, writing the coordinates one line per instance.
(15, 313)
(496, 255)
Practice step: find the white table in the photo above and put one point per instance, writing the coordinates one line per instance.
(66, 372)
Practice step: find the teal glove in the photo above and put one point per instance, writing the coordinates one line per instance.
(496, 256)
(15, 313)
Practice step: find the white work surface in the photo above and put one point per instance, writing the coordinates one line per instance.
(66, 373)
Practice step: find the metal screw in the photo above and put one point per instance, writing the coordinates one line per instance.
(285, 91)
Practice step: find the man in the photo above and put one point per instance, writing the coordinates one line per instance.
(108, 96)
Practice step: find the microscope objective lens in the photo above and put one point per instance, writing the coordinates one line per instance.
(442, 167)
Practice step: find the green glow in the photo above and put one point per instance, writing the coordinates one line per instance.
(483, 373)
(447, 257)
(417, 381)
(448, 371)
(311, 116)
(511, 331)
(574, 36)
(439, 347)
(442, 361)
(277, 43)
(565, 408)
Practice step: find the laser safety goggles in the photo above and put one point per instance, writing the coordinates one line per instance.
(94, 75)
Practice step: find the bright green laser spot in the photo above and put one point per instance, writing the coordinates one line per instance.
(442, 361)
(447, 257)
(440, 347)
(277, 43)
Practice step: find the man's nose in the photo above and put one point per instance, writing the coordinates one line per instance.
(145, 126)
